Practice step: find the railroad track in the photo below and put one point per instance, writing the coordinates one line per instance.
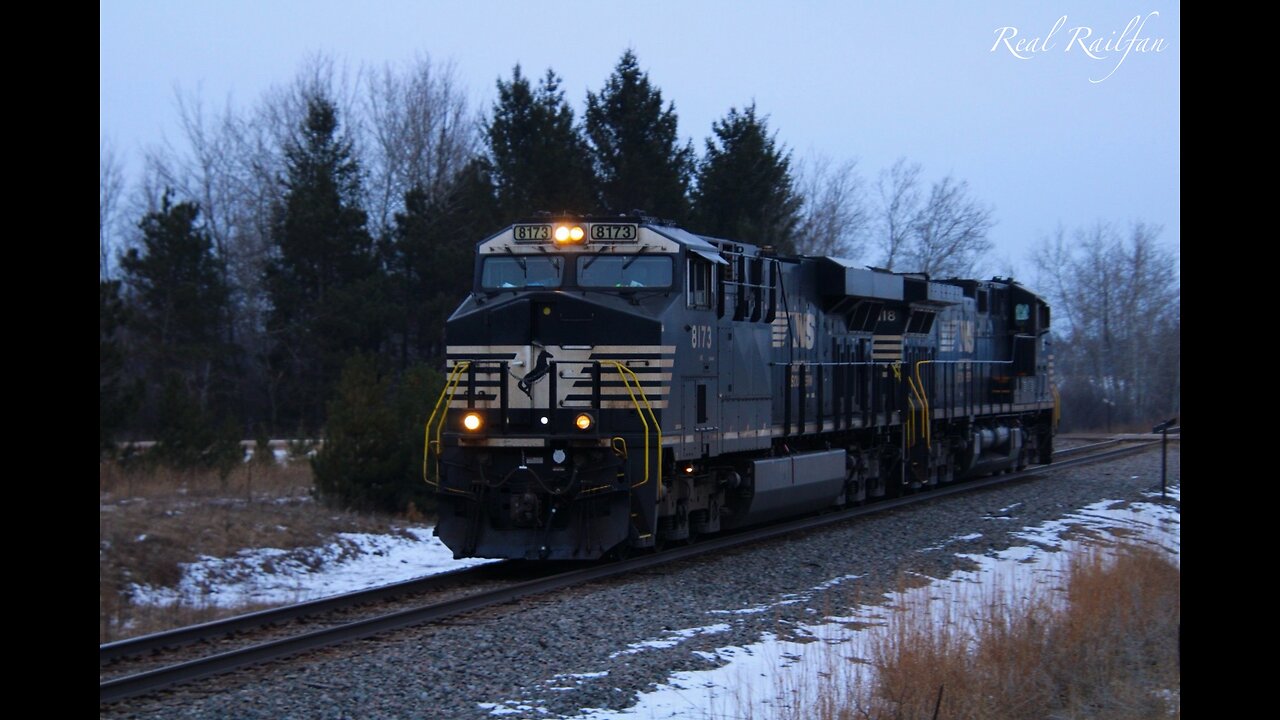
(118, 688)
(1091, 447)
(111, 652)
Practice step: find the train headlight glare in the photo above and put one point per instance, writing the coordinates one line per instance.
(472, 422)
(569, 234)
(583, 421)
(544, 419)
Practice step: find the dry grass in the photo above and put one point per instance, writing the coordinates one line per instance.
(152, 521)
(1108, 650)
(1100, 641)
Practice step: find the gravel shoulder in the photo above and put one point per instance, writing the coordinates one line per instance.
(596, 647)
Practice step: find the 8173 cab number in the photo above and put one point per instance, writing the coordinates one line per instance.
(608, 232)
(531, 233)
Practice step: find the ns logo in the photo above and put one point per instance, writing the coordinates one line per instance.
(538, 372)
(801, 327)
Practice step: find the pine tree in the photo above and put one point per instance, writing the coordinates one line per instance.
(745, 189)
(638, 158)
(179, 313)
(326, 293)
(372, 454)
(189, 436)
(538, 158)
(431, 258)
(117, 394)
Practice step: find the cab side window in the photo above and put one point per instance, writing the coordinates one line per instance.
(700, 282)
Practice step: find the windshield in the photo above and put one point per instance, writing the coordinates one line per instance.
(519, 272)
(624, 271)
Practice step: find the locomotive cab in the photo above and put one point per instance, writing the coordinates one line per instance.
(561, 363)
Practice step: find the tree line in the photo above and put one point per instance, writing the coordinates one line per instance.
(1117, 307)
(277, 264)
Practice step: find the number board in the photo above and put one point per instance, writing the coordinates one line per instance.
(610, 232)
(531, 233)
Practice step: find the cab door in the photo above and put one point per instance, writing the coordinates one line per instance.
(701, 417)
(727, 408)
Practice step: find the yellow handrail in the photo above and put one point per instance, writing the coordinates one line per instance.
(624, 372)
(928, 420)
(909, 425)
(450, 387)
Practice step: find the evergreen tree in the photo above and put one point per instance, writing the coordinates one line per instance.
(117, 394)
(180, 307)
(539, 160)
(189, 436)
(745, 189)
(638, 158)
(372, 454)
(431, 257)
(326, 294)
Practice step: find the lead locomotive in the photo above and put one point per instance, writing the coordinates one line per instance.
(616, 383)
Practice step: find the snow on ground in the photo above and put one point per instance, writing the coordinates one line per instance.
(674, 637)
(774, 676)
(355, 561)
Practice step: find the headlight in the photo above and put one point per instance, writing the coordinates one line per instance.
(569, 234)
(472, 421)
(583, 421)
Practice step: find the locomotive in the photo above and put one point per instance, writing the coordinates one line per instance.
(617, 383)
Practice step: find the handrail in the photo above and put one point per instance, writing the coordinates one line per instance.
(924, 398)
(909, 425)
(624, 372)
(450, 387)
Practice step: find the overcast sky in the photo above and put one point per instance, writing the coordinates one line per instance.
(1054, 136)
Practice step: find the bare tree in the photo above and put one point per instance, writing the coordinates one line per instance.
(1116, 302)
(835, 218)
(279, 113)
(230, 162)
(420, 134)
(950, 231)
(145, 196)
(202, 170)
(943, 233)
(899, 203)
(110, 191)
(225, 163)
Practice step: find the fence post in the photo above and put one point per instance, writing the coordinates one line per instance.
(1163, 429)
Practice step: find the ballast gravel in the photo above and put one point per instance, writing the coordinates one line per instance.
(598, 646)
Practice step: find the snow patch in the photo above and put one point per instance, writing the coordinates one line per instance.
(675, 638)
(355, 561)
(775, 676)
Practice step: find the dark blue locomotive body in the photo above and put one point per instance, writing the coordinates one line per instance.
(616, 383)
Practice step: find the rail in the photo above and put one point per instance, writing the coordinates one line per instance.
(628, 375)
(446, 397)
(925, 414)
(921, 402)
